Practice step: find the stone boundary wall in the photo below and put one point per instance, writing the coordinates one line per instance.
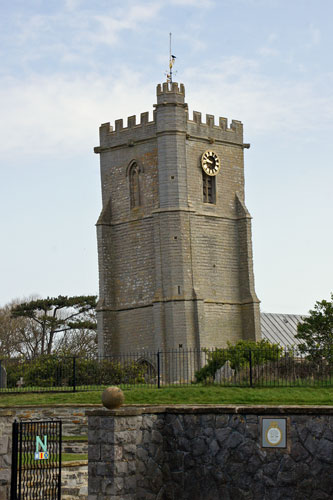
(74, 481)
(74, 420)
(209, 452)
(6, 420)
(74, 424)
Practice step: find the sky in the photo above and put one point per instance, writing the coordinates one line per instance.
(69, 65)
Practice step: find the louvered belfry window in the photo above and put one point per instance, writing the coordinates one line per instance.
(209, 192)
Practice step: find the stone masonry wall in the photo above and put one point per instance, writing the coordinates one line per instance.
(74, 420)
(206, 453)
(75, 474)
(74, 481)
(6, 420)
(173, 269)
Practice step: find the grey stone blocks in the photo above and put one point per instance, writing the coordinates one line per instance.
(209, 453)
(174, 269)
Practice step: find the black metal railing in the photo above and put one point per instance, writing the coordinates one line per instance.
(233, 366)
(36, 460)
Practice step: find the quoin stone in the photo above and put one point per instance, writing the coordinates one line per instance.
(174, 234)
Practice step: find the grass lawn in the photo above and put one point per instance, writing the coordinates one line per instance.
(74, 438)
(185, 395)
(70, 457)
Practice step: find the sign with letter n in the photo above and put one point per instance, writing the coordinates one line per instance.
(36, 460)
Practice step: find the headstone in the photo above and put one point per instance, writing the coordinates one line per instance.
(20, 382)
(224, 374)
(3, 377)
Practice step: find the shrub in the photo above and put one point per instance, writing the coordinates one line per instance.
(40, 372)
(108, 372)
(52, 371)
(239, 357)
(291, 370)
(315, 332)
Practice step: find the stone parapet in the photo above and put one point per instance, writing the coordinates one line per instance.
(73, 417)
(6, 420)
(74, 474)
(214, 409)
(74, 481)
(205, 452)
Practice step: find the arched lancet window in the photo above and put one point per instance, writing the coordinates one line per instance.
(134, 172)
(209, 188)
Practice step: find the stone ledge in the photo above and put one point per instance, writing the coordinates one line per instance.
(216, 409)
(73, 463)
(48, 405)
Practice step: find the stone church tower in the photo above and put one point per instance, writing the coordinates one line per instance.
(174, 234)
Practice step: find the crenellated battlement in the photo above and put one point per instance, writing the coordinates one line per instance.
(170, 93)
(131, 123)
(221, 130)
(170, 88)
(112, 136)
(222, 122)
(169, 109)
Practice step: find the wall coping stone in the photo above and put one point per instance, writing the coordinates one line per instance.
(47, 405)
(73, 463)
(216, 409)
(6, 413)
(98, 410)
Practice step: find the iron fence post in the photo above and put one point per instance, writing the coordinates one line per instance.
(59, 452)
(74, 374)
(158, 370)
(250, 360)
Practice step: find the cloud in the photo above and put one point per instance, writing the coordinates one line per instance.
(110, 25)
(315, 36)
(72, 4)
(272, 37)
(268, 52)
(60, 115)
(239, 89)
(62, 110)
(75, 28)
(202, 4)
(259, 3)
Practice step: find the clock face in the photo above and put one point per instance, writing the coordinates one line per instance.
(210, 163)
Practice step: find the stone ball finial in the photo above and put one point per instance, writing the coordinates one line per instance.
(112, 397)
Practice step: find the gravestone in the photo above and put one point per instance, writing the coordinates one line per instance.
(3, 377)
(20, 383)
(224, 374)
